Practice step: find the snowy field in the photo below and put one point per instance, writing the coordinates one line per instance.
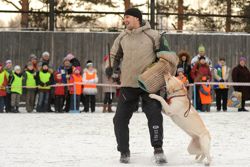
(86, 140)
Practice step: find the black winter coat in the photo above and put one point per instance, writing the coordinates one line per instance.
(242, 74)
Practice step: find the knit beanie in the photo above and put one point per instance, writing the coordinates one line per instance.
(89, 63)
(45, 54)
(17, 67)
(78, 68)
(69, 56)
(134, 12)
(45, 64)
(242, 58)
(180, 70)
(201, 48)
(202, 57)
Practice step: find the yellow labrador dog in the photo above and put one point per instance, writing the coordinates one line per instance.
(179, 108)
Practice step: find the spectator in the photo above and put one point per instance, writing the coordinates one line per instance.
(45, 59)
(221, 74)
(109, 92)
(205, 95)
(241, 73)
(200, 69)
(75, 77)
(66, 70)
(15, 83)
(181, 76)
(59, 92)
(90, 79)
(184, 63)
(33, 59)
(44, 80)
(73, 60)
(8, 69)
(29, 81)
(201, 52)
(3, 84)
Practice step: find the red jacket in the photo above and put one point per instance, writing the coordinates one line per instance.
(200, 70)
(59, 90)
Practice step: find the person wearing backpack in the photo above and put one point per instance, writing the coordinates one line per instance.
(134, 50)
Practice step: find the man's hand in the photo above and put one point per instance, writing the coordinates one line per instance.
(221, 80)
(115, 75)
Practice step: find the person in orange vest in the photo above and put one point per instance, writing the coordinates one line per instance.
(181, 76)
(90, 79)
(75, 77)
(205, 92)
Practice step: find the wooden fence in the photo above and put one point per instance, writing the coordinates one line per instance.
(17, 46)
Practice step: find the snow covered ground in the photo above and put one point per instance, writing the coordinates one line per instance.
(87, 139)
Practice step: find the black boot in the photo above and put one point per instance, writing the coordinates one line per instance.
(13, 110)
(159, 156)
(125, 157)
(17, 111)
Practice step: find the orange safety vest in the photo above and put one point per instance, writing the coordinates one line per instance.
(183, 80)
(206, 99)
(89, 77)
(76, 78)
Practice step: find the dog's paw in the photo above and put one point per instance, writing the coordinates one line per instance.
(153, 96)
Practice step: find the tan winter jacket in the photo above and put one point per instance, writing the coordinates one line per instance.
(135, 50)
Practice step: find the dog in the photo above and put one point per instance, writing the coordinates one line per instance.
(178, 107)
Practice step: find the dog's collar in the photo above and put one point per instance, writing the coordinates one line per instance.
(173, 95)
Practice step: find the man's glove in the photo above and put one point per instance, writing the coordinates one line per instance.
(115, 75)
(222, 80)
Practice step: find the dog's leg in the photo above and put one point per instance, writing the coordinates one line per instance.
(165, 106)
(194, 146)
(205, 146)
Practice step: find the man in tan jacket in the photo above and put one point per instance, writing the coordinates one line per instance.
(134, 51)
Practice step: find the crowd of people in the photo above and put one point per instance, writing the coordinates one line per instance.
(42, 85)
(200, 69)
(39, 79)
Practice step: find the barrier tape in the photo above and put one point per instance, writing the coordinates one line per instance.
(114, 85)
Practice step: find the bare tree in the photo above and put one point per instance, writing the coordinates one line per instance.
(23, 6)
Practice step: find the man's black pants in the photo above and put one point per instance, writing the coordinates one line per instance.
(221, 94)
(126, 106)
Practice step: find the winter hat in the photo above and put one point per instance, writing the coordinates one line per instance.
(17, 67)
(202, 57)
(33, 56)
(8, 62)
(78, 68)
(242, 58)
(180, 70)
(1, 65)
(134, 12)
(45, 54)
(45, 64)
(69, 57)
(201, 48)
(29, 64)
(89, 63)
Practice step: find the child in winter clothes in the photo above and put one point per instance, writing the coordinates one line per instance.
(75, 77)
(59, 92)
(7, 99)
(3, 84)
(181, 76)
(44, 80)
(90, 79)
(29, 81)
(205, 92)
(109, 92)
(15, 82)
